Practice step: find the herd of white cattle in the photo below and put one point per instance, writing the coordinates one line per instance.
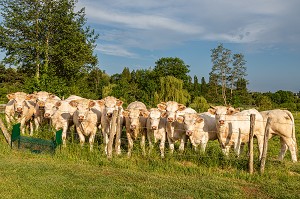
(169, 121)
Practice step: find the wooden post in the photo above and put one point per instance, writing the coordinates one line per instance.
(250, 146)
(118, 131)
(5, 133)
(265, 147)
(112, 134)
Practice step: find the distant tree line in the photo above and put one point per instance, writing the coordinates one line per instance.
(48, 47)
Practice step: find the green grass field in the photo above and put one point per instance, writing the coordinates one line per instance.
(74, 172)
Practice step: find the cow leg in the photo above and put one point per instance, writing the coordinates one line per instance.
(171, 145)
(81, 137)
(292, 147)
(182, 142)
(105, 137)
(237, 147)
(130, 144)
(31, 128)
(225, 150)
(162, 147)
(149, 137)
(22, 126)
(37, 123)
(92, 138)
(260, 142)
(118, 143)
(143, 140)
(204, 143)
(64, 135)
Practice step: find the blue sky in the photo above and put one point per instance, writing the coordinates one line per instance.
(137, 33)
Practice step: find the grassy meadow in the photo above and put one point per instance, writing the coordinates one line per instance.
(74, 172)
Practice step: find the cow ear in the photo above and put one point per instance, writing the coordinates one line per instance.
(181, 107)
(237, 110)
(212, 111)
(92, 104)
(179, 119)
(145, 113)
(161, 106)
(101, 102)
(199, 119)
(29, 97)
(58, 103)
(10, 96)
(51, 96)
(119, 102)
(163, 114)
(73, 103)
(125, 113)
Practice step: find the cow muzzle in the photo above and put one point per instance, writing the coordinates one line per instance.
(47, 115)
(221, 122)
(80, 118)
(170, 119)
(19, 109)
(132, 127)
(154, 127)
(189, 133)
(109, 115)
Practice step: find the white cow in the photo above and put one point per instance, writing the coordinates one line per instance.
(156, 129)
(135, 117)
(108, 105)
(60, 112)
(233, 130)
(200, 128)
(175, 129)
(282, 124)
(41, 98)
(20, 108)
(85, 119)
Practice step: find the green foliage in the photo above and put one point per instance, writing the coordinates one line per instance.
(199, 104)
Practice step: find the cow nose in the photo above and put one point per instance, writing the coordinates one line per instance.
(19, 109)
(221, 122)
(189, 133)
(80, 118)
(132, 126)
(47, 115)
(170, 119)
(154, 127)
(109, 115)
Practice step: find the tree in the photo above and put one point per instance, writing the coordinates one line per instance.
(238, 71)
(175, 67)
(221, 58)
(172, 90)
(47, 38)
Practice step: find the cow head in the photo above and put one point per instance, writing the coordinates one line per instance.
(171, 107)
(51, 106)
(110, 104)
(221, 111)
(192, 122)
(20, 100)
(154, 117)
(83, 108)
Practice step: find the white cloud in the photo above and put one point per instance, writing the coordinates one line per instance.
(115, 50)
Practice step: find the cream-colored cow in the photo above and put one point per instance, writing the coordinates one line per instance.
(200, 128)
(108, 105)
(135, 117)
(233, 130)
(156, 129)
(283, 125)
(175, 130)
(41, 98)
(60, 112)
(20, 108)
(85, 119)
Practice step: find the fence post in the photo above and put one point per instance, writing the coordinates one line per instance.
(250, 146)
(265, 146)
(112, 134)
(118, 132)
(5, 133)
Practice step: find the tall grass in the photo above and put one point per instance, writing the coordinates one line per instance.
(75, 172)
